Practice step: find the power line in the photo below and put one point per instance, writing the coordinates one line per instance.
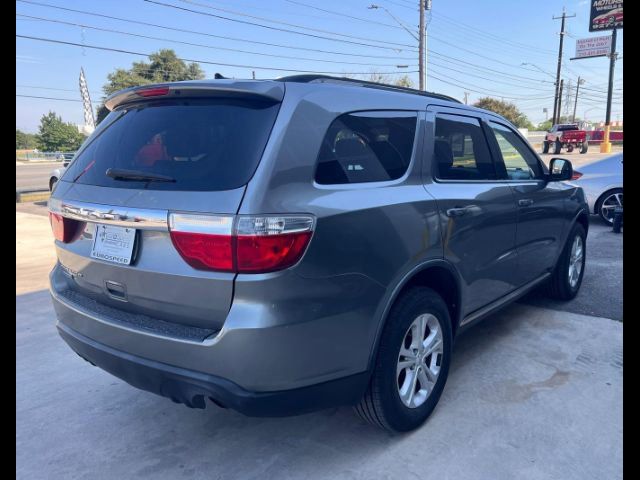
(344, 15)
(279, 22)
(117, 50)
(49, 88)
(497, 38)
(206, 34)
(120, 32)
(49, 98)
(269, 27)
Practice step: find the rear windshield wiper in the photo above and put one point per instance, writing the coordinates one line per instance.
(134, 175)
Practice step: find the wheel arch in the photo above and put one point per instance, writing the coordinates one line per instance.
(437, 274)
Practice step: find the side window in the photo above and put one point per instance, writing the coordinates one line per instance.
(460, 150)
(366, 147)
(521, 163)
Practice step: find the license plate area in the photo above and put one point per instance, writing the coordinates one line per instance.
(113, 244)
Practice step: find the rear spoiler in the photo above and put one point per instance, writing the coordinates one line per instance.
(258, 90)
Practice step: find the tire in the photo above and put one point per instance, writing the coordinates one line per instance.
(52, 183)
(382, 404)
(545, 147)
(584, 147)
(605, 214)
(570, 149)
(557, 147)
(560, 286)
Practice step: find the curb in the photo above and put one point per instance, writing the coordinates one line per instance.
(32, 196)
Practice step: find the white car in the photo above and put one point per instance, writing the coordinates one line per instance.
(602, 185)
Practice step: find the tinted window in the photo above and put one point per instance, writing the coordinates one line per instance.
(366, 147)
(203, 145)
(460, 150)
(520, 162)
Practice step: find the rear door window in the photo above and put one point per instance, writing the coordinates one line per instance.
(203, 145)
(366, 147)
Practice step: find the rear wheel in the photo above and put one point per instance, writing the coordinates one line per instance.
(52, 183)
(568, 272)
(557, 146)
(607, 203)
(412, 363)
(545, 147)
(584, 147)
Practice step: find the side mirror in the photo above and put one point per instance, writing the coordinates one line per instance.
(560, 169)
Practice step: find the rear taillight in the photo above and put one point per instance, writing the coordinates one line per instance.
(576, 175)
(255, 244)
(65, 230)
(153, 92)
(204, 241)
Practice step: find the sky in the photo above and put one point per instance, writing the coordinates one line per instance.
(500, 48)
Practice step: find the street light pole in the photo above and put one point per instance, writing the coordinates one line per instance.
(421, 47)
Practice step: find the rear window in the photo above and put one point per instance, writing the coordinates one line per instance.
(204, 145)
(366, 147)
(564, 128)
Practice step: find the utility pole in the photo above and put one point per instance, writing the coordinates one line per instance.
(605, 146)
(466, 97)
(567, 100)
(557, 101)
(575, 105)
(421, 35)
(559, 104)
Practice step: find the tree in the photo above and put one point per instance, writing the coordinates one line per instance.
(25, 141)
(506, 109)
(55, 135)
(163, 66)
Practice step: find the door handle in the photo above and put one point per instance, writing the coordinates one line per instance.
(525, 202)
(456, 212)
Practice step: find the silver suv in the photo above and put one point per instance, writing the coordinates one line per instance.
(289, 245)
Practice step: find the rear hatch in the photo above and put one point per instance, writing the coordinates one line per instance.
(164, 150)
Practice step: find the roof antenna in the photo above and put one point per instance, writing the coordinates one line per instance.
(218, 76)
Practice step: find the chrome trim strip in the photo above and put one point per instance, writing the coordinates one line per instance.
(139, 218)
(517, 293)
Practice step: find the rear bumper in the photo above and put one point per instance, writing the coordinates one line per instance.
(192, 388)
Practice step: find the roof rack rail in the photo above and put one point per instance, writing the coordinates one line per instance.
(364, 83)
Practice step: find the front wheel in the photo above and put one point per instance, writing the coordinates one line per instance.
(568, 272)
(412, 363)
(545, 147)
(558, 147)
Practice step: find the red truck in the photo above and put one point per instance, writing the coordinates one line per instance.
(566, 135)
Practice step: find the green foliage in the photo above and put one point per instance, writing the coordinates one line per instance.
(506, 109)
(54, 135)
(25, 141)
(163, 66)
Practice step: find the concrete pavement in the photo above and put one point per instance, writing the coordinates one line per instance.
(532, 394)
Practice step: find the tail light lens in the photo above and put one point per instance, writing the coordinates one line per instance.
(65, 230)
(265, 244)
(256, 244)
(204, 241)
(576, 175)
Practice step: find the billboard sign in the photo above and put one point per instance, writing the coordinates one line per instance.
(593, 47)
(605, 15)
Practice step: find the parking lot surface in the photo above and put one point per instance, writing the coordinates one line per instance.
(533, 393)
